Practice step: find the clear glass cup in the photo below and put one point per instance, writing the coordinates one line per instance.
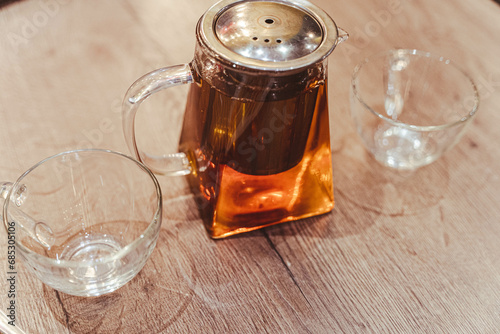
(85, 221)
(409, 106)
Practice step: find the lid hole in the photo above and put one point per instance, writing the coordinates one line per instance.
(278, 41)
(266, 40)
(269, 21)
(255, 38)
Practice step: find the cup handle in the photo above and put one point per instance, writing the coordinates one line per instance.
(153, 82)
(38, 231)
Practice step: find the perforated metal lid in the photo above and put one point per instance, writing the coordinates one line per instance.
(269, 35)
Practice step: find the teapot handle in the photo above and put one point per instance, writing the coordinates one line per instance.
(153, 82)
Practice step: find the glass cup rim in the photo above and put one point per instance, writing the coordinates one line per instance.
(420, 54)
(26, 252)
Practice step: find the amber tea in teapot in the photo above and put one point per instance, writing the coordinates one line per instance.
(256, 129)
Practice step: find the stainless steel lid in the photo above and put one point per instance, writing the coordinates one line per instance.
(273, 35)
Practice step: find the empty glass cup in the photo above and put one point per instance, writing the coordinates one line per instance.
(409, 106)
(85, 222)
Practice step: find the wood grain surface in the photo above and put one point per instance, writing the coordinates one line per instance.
(400, 253)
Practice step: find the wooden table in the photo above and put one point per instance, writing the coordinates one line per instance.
(399, 253)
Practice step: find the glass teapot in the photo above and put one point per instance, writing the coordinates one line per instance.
(255, 139)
